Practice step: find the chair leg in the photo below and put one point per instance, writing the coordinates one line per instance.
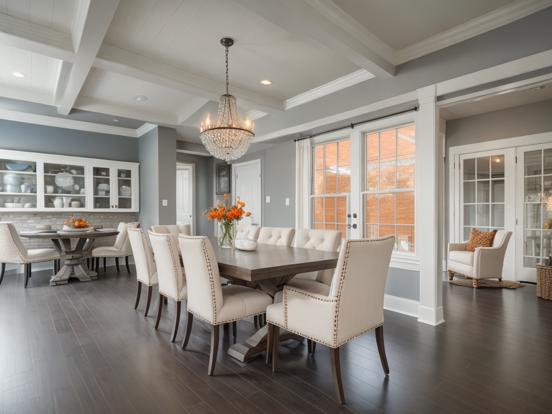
(255, 322)
(214, 349)
(159, 310)
(311, 346)
(381, 349)
(117, 264)
(3, 271)
(138, 292)
(30, 270)
(189, 324)
(148, 300)
(176, 321)
(269, 343)
(104, 265)
(234, 330)
(475, 283)
(336, 371)
(450, 274)
(126, 264)
(97, 265)
(275, 347)
(27, 273)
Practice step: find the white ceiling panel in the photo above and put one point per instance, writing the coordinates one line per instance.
(186, 33)
(55, 14)
(39, 72)
(401, 23)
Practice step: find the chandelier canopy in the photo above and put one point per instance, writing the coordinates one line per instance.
(227, 138)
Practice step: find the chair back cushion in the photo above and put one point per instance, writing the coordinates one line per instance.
(169, 272)
(11, 247)
(247, 231)
(121, 242)
(146, 271)
(359, 285)
(501, 239)
(277, 236)
(174, 229)
(202, 277)
(326, 240)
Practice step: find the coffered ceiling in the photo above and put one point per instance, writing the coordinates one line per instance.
(101, 55)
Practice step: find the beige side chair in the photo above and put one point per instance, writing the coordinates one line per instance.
(483, 263)
(172, 283)
(247, 231)
(276, 236)
(146, 272)
(121, 248)
(354, 305)
(12, 251)
(208, 300)
(174, 229)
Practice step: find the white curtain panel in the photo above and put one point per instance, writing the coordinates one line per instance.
(303, 167)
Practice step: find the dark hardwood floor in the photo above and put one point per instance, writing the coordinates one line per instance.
(82, 348)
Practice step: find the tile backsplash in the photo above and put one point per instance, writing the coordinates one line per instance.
(28, 221)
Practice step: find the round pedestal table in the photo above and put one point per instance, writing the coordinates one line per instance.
(74, 248)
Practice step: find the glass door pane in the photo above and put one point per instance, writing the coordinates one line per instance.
(64, 186)
(102, 187)
(17, 184)
(124, 187)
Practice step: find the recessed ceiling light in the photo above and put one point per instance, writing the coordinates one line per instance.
(141, 98)
(18, 74)
(266, 82)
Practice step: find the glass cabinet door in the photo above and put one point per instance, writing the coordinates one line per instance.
(18, 184)
(64, 186)
(124, 188)
(101, 179)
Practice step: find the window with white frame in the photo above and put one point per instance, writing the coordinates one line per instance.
(331, 185)
(389, 185)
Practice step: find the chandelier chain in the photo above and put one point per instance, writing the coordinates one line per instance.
(227, 82)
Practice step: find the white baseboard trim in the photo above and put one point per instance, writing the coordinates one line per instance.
(431, 316)
(401, 305)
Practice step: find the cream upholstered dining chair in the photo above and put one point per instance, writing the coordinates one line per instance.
(277, 236)
(208, 300)
(247, 231)
(13, 251)
(172, 283)
(353, 306)
(146, 271)
(121, 248)
(174, 229)
(483, 263)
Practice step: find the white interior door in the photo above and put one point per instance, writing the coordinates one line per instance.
(246, 184)
(185, 195)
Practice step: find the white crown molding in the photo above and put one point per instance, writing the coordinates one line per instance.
(472, 28)
(23, 94)
(338, 84)
(57, 122)
(191, 109)
(254, 114)
(192, 152)
(144, 129)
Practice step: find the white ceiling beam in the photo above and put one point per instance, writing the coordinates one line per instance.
(97, 21)
(62, 78)
(33, 37)
(25, 95)
(321, 21)
(191, 109)
(124, 62)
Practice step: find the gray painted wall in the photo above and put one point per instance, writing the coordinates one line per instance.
(149, 179)
(167, 174)
(203, 190)
(521, 38)
(38, 138)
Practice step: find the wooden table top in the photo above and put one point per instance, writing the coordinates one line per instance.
(268, 262)
(68, 235)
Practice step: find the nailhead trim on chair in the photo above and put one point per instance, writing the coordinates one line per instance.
(211, 279)
(174, 265)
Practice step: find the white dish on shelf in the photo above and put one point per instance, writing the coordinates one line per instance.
(125, 191)
(13, 205)
(64, 180)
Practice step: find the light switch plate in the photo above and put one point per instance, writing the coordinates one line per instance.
(267, 199)
(164, 203)
(287, 201)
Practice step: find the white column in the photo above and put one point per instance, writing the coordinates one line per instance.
(428, 157)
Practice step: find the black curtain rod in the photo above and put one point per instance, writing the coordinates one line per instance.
(354, 124)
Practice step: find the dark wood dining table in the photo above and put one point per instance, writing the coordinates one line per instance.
(267, 268)
(74, 248)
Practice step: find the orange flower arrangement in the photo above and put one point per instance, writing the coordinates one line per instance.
(227, 214)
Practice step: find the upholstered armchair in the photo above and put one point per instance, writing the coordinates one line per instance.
(276, 236)
(208, 300)
(172, 284)
(13, 251)
(121, 248)
(146, 271)
(353, 306)
(483, 263)
(247, 231)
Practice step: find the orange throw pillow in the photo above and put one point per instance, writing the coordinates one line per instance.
(480, 238)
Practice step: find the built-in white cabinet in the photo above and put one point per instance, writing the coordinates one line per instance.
(47, 182)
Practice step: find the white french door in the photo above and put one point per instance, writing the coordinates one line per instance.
(534, 203)
(246, 185)
(185, 195)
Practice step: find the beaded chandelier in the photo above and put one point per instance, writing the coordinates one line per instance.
(229, 137)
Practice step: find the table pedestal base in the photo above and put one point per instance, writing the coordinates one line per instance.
(73, 262)
(255, 345)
